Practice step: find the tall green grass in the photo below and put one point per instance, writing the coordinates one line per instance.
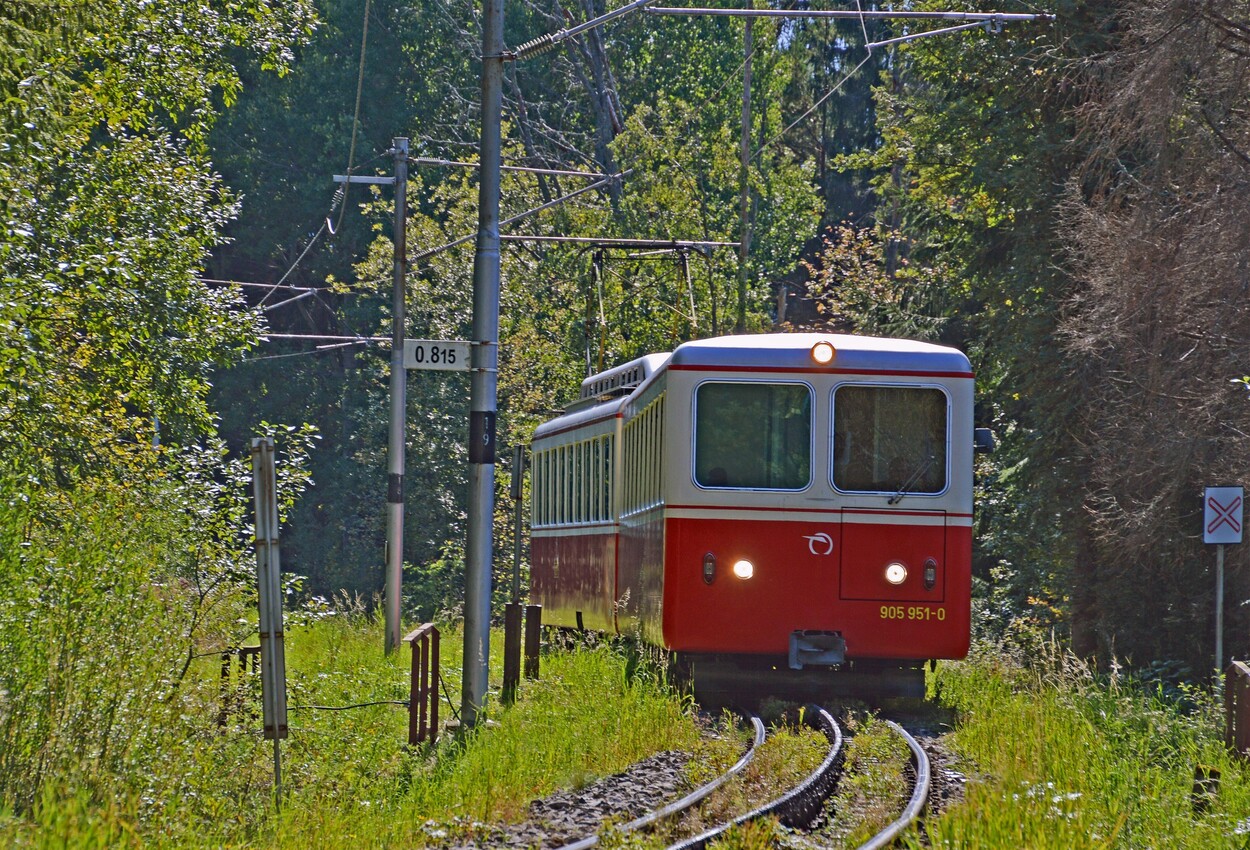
(106, 592)
(1061, 757)
(583, 719)
(349, 778)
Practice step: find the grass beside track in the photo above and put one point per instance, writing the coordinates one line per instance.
(1061, 757)
(348, 778)
(1058, 756)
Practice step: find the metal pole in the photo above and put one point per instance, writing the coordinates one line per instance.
(518, 490)
(269, 598)
(744, 200)
(277, 774)
(399, 385)
(1219, 608)
(482, 394)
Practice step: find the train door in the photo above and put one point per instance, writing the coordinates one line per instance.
(891, 443)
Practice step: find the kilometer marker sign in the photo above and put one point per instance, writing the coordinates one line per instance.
(1222, 515)
(444, 355)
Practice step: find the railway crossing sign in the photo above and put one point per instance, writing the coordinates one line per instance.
(1222, 512)
(1222, 521)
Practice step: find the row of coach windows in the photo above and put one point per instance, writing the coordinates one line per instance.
(573, 483)
(758, 436)
(642, 481)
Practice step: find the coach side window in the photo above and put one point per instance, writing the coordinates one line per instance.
(753, 436)
(889, 439)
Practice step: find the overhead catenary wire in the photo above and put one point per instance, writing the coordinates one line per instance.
(321, 349)
(360, 83)
(863, 25)
(555, 172)
(326, 337)
(290, 300)
(550, 41)
(404, 703)
(339, 196)
(859, 14)
(429, 252)
(251, 283)
(609, 242)
(546, 42)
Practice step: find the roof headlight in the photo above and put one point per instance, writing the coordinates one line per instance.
(823, 353)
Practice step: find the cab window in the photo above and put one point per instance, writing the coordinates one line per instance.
(753, 436)
(889, 439)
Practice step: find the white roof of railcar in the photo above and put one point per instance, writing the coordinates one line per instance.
(763, 352)
(793, 351)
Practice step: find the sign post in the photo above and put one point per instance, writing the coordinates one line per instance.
(441, 355)
(1222, 512)
(269, 596)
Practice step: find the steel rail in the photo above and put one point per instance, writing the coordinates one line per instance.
(800, 804)
(690, 799)
(919, 795)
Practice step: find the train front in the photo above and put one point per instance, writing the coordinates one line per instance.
(819, 512)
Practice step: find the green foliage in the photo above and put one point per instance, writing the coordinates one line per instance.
(1073, 759)
(967, 246)
(109, 210)
(109, 593)
(861, 283)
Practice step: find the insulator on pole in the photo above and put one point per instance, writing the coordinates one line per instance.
(537, 46)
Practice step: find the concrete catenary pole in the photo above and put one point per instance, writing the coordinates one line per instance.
(744, 179)
(483, 389)
(399, 386)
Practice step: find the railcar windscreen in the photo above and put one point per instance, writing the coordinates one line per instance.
(753, 436)
(889, 439)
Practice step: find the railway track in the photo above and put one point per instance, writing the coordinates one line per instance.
(690, 800)
(801, 806)
(921, 776)
(802, 810)
(797, 806)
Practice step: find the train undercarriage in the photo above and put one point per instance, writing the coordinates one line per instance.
(745, 680)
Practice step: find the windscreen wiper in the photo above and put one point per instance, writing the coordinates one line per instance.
(920, 470)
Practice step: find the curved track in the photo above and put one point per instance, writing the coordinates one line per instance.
(690, 800)
(799, 805)
(920, 795)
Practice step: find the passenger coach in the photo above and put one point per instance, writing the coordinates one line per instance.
(778, 510)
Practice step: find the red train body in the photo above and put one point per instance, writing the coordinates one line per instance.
(789, 508)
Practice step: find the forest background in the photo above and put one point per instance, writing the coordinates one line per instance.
(1068, 202)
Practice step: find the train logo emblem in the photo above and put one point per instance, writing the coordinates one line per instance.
(816, 542)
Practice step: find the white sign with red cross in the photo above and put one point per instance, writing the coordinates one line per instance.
(1222, 514)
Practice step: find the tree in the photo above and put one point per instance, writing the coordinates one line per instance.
(1156, 326)
(110, 209)
(974, 158)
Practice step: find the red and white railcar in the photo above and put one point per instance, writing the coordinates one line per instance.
(792, 508)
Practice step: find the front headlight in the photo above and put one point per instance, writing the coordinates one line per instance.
(896, 573)
(744, 569)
